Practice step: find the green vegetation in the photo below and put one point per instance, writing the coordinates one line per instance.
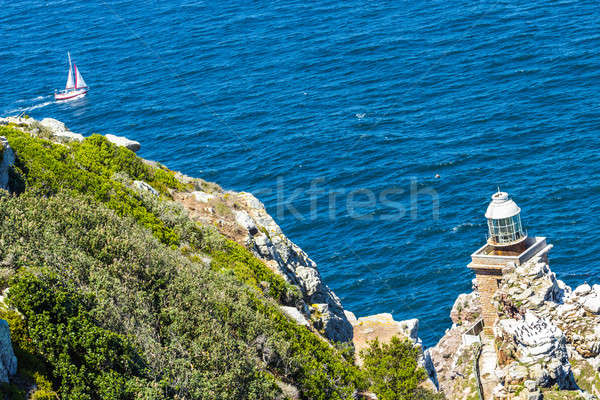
(100, 169)
(393, 370)
(555, 394)
(586, 376)
(139, 281)
(189, 331)
(121, 296)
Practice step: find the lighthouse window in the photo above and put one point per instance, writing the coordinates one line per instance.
(505, 230)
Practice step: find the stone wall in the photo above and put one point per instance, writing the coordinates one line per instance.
(487, 284)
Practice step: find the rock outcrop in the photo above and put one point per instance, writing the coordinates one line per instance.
(124, 142)
(56, 131)
(243, 218)
(239, 216)
(538, 352)
(383, 327)
(8, 361)
(452, 358)
(48, 128)
(59, 131)
(547, 335)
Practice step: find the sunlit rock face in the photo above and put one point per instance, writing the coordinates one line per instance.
(534, 287)
(534, 349)
(243, 218)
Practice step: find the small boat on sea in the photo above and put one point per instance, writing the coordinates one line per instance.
(76, 86)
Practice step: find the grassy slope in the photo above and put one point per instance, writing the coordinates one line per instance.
(183, 329)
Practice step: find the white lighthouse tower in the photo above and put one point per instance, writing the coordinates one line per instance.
(507, 244)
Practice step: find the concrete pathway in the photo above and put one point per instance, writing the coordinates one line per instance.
(487, 366)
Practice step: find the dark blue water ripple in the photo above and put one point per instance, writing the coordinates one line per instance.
(346, 96)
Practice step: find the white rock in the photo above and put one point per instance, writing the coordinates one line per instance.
(8, 361)
(244, 220)
(351, 317)
(517, 372)
(500, 374)
(535, 395)
(582, 290)
(540, 342)
(17, 121)
(145, 187)
(295, 315)
(310, 281)
(499, 392)
(251, 200)
(69, 136)
(202, 197)
(592, 304)
(261, 240)
(530, 385)
(124, 142)
(59, 130)
(411, 327)
(53, 124)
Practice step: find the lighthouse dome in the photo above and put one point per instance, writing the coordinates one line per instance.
(501, 206)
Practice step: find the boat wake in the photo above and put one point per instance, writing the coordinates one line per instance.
(31, 107)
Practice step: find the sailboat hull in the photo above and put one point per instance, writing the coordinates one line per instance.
(71, 94)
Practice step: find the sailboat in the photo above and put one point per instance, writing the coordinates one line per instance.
(76, 87)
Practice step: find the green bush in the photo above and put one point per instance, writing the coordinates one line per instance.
(85, 359)
(46, 167)
(185, 312)
(199, 333)
(11, 392)
(393, 371)
(100, 169)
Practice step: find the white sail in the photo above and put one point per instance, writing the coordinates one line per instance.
(79, 82)
(70, 84)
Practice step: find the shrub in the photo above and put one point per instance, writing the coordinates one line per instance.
(126, 273)
(100, 169)
(393, 371)
(198, 333)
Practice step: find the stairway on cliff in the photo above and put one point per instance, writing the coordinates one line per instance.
(487, 366)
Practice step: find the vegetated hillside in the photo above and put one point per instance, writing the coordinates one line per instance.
(121, 296)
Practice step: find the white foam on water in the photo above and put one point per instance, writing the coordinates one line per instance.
(463, 226)
(38, 98)
(36, 103)
(33, 107)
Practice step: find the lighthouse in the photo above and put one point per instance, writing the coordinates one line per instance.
(507, 245)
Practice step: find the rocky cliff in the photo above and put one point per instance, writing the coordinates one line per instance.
(546, 341)
(243, 218)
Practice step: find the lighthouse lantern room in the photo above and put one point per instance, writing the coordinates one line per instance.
(504, 221)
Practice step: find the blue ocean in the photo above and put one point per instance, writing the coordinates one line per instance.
(339, 116)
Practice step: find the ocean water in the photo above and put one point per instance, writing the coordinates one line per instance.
(338, 116)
